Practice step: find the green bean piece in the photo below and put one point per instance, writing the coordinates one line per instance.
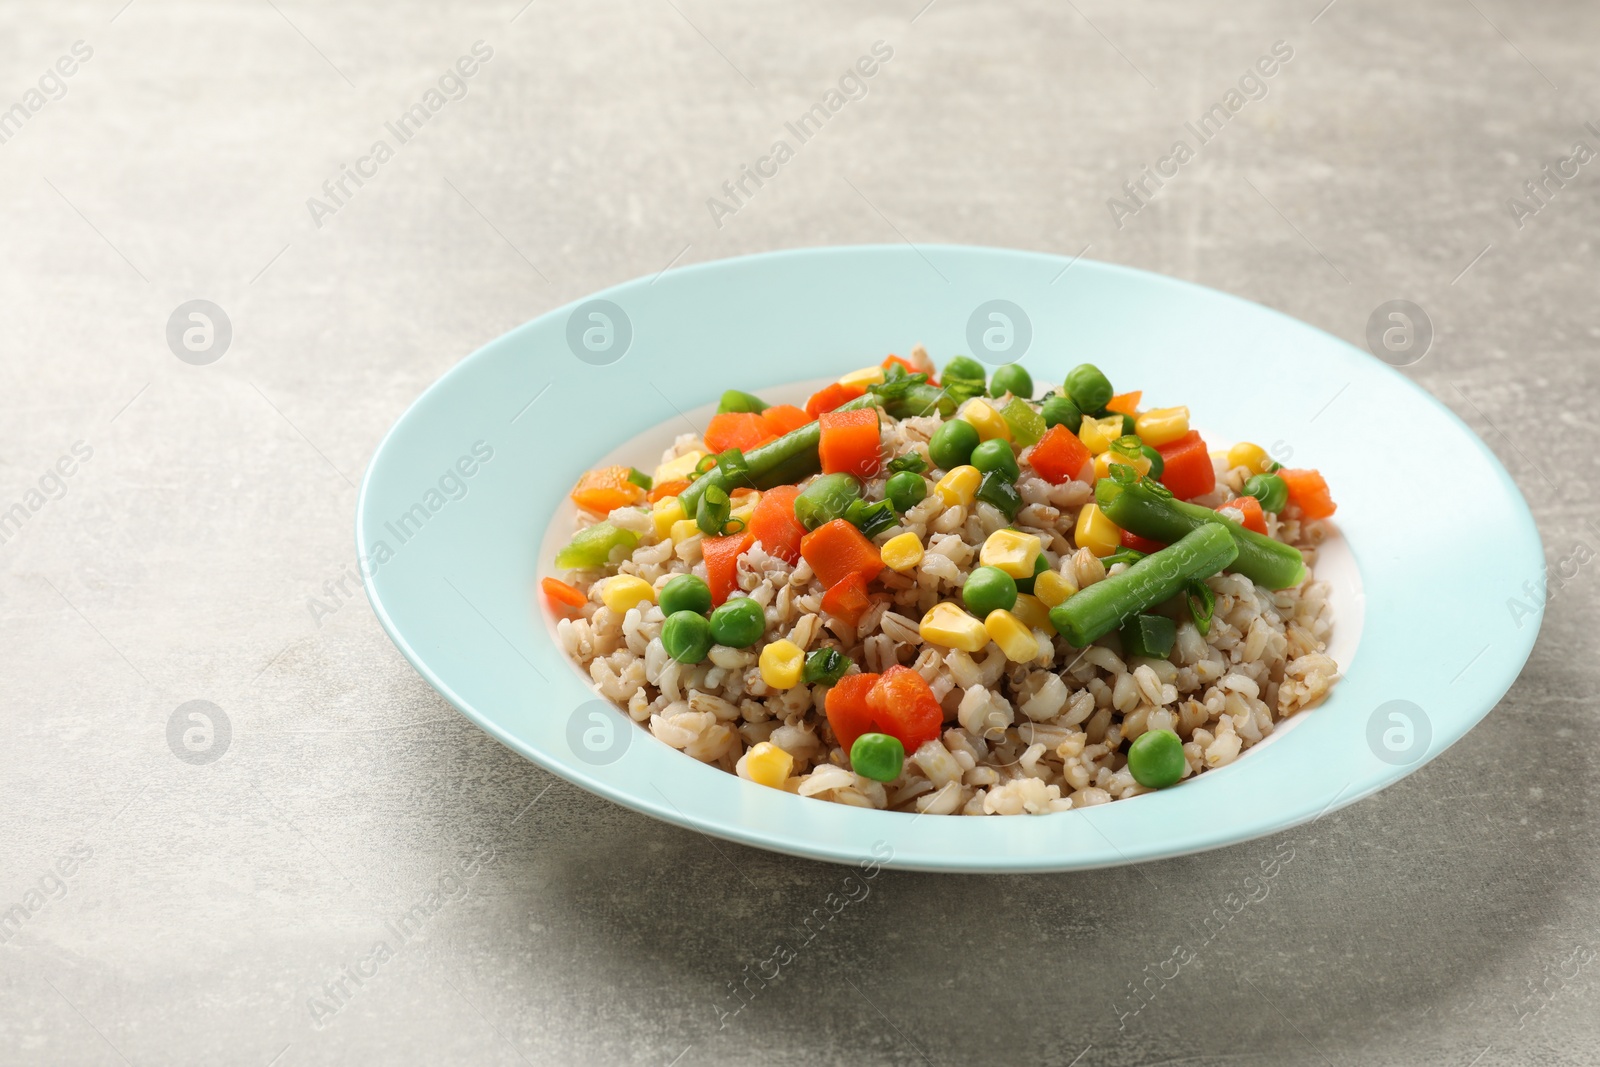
(1148, 509)
(1088, 387)
(920, 399)
(952, 444)
(785, 461)
(826, 499)
(1095, 611)
(996, 455)
(734, 400)
(1011, 378)
(1061, 411)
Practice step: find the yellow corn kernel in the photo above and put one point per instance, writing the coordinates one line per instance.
(626, 591)
(782, 664)
(680, 468)
(1013, 636)
(1052, 588)
(1097, 434)
(1161, 426)
(1103, 462)
(902, 552)
(960, 486)
(862, 378)
(986, 420)
(684, 529)
(950, 627)
(666, 512)
(1095, 532)
(1033, 612)
(1252, 457)
(768, 765)
(1011, 552)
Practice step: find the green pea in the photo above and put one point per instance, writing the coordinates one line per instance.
(1013, 379)
(826, 499)
(1270, 491)
(905, 490)
(739, 623)
(952, 444)
(686, 592)
(996, 455)
(878, 756)
(1088, 388)
(966, 368)
(1061, 411)
(989, 589)
(686, 635)
(1155, 759)
(1157, 464)
(1025, 585)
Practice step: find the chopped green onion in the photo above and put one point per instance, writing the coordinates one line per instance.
(826, 666)
(712, 515)
(870, 519)
(998, 489)
(910, 461)
(1202, 602)
(706, 465)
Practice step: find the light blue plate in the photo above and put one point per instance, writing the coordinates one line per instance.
(458, 507)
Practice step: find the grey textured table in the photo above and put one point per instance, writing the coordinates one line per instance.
(161, 910)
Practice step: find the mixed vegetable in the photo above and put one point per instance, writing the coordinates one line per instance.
(816, 485)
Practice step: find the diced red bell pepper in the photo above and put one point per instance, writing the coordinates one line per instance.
(743, 430)
(1140, 544)
(850, 442)
(1059, 456)
(848, 712)
(837, 550)
(782, 418)
(722, 562)
(1187, 469)
(848, 599)
(1308, 491)
(774, 525)
(1254, 518)
(904, 706)
(831, 396)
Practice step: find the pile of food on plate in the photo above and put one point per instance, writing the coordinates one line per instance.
(935, 593)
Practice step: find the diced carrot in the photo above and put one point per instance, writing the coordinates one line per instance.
(848, 712)
(837, 549)
(903, 706)
(1059, 456)
(1125, 403)
(847, 600)
(604, 489)
(563, 598)
(743, 430)
(774, 525)
(831, 396)
(1308, 491)
(1187, 469)
(850, 442)
(892, 360)
(783, 418)
(1254, 518)
(722, 562)
(1140, 544)
(663, 490)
